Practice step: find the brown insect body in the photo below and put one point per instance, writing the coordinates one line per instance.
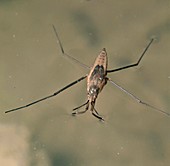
(97, 79)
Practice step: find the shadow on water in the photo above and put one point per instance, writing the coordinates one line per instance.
(87, 27)
(64, 159)
(160, 30)
(7, 2)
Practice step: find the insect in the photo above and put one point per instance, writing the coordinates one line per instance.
(96, 80)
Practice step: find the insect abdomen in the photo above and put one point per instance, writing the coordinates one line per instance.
(96, 79)
(101, 60)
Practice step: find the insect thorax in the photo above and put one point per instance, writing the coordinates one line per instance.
(96, 81)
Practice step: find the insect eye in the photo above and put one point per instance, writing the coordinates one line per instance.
(92, 90)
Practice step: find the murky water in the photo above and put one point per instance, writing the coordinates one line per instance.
(31, 67)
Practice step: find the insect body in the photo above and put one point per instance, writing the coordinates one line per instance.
(96, 80)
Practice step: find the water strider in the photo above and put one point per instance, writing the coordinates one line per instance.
(96, 80)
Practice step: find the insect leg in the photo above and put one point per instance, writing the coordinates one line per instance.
(137, 99)
(81, 105)
(97, 116)
(47, 97)
(95, 113)
(66, 55)
(133, 64)
(81, 112)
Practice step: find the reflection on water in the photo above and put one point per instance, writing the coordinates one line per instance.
(32, 67)
(14, 145)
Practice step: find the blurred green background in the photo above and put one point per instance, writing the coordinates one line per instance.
(31, 67)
